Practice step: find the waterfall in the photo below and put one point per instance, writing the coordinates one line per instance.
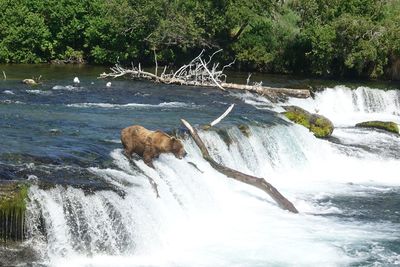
(345, 107)
(206, 219)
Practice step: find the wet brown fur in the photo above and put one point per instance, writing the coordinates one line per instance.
(149, 144)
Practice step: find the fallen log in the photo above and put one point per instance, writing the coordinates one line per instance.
(273, 93)
(199, 73)
(260, 183)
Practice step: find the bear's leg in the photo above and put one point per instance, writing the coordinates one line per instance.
(148, 156)
(128, 153)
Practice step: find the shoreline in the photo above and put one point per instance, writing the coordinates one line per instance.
(20, 71)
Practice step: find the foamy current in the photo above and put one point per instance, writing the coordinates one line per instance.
(203, 218)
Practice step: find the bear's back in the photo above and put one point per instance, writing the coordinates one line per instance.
(161, 141)
(134, 138)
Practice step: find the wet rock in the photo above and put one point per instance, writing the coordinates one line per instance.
(225, 136)
(245, 129)
(382, 125)
(29, 82)
(321, 126)
(17, 254)
(55, 131)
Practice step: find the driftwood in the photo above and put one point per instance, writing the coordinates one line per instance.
(201, 72)
(260, 183)
(219, 119)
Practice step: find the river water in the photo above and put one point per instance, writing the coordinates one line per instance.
(90, 207)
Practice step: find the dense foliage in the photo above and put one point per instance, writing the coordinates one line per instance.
(353, 38)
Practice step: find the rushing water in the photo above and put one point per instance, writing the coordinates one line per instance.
(90, 207)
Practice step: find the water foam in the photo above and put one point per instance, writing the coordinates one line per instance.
(38, 92)
(346, 107)
(66, 87)
(205, 219)
(8, 92)
(134, 105)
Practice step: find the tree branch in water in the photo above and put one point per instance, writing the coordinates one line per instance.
(200, 72)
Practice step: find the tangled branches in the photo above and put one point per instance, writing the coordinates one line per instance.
(206, 73)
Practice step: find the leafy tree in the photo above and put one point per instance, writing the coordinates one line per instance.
(24, 36)
(319, 37)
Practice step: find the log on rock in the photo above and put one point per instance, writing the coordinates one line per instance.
(260, 183)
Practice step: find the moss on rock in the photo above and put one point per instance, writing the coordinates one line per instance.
(382, 125)
(245, 129)
(13, 197)
(321, 126)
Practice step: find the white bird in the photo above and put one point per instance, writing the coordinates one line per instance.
(108, 84)
(76, 80)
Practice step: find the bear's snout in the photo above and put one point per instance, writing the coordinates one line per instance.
(181, 154)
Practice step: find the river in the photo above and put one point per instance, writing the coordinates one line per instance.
(90, 207)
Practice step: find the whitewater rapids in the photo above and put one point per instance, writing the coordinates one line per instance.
(206, 219)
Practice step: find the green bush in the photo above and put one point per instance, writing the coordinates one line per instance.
(354, 38)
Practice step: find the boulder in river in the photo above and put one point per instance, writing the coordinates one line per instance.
(245, 129)
(382, 125)
(29, 82)
(321, 126)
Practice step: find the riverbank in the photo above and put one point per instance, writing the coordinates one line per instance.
(18, 72)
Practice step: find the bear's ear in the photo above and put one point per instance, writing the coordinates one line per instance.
(173, 138)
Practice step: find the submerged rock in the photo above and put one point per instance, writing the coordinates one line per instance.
(382, 125)
(225, 136)
(55, 131)
(17, 254)
(13, 197)
(245, 129)
(321, 126)
(29, 82)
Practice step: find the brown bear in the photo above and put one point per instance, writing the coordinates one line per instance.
(149, 144)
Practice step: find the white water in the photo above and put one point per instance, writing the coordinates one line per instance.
(8, 92)
(347, 107)
(134, 105)
(38, 92)
(66, 87)
(205, 219)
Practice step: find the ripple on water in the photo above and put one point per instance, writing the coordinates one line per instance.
(38, 92)
(66, 87)
(8, 92)
(134, 105)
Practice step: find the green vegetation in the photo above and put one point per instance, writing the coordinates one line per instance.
(317, 124)
(383, 125)
(13, 197)
(346, 38)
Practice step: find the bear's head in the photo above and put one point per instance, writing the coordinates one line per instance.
(177, 148)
